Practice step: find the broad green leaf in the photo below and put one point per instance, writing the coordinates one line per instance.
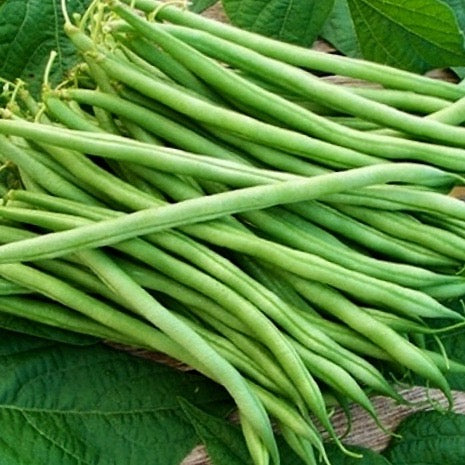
(197, 6)
(29, 31)
(413, 34)
(339, 30)
(12, 343)
(63, 405)
(369, 457)
(298, 22)
(224, 442)
(459, 71)
(458, 7)
(429, 438)
(23, 326)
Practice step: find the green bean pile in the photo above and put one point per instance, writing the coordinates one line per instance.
(194, 189)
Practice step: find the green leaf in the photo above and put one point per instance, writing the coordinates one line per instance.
(224, 442)
(295, 21)
(339, 30)
(12, 343)
(459, 71)
(23, 326)
(93, 405)
(197, 6)
(413, 34)
(29, 31)
(429, 438)
(369, 457)
(458, 7)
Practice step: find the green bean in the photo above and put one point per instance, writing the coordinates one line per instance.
(403, 325)
(336, 377)
(137, 98)
(153, 280)
(43, 175)
(11, 233)
(106, 187)
(389, 246)
(402, 198)
(153, 122)
(95, 179)
(407, 101)
(171, 160)
(130, 176)
(255, 248)
(77, 109)
(289, 230)
(403, 300)
(171, 185)
(445, 291)
(347, 358)
(169, 66)
(273, 283)
(256, 352)
(165, 286)
(302, 448)
(125, 54)
(317, 341)
(255, 446)
(399, 348)
(46, 160)
(94, 309)
(287, 415)
(77, 275)
(131, 330)
(152, 174)
(346, 337)
(348, 283)
(354, 123)
(52, 203)
(104, 119)
(270, 156)
(322, 92)
(29, 183)
(244, 363)
(407, 228)
(58, 316)
(203, 209)
(304, 57)
(221, 117)
(287, 112)
(8, 288)
(453, 114)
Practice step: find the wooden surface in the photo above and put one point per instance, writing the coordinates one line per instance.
(364, 431)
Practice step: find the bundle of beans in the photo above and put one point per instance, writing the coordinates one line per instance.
(194, 189)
